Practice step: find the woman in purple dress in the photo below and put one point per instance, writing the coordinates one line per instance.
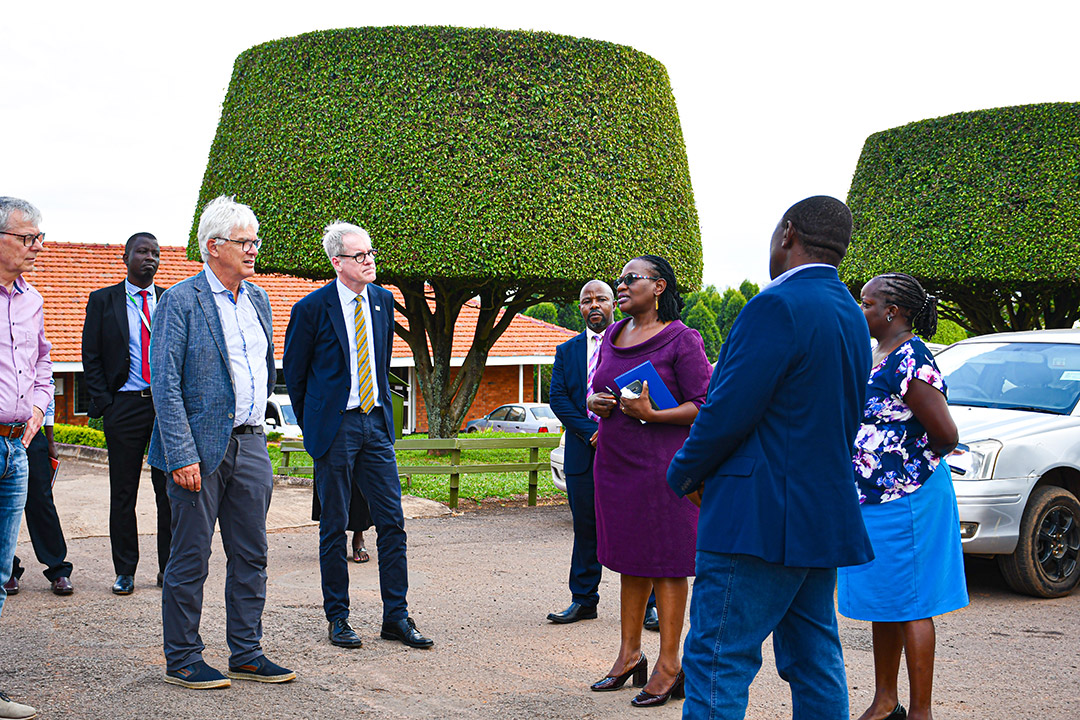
(643, 530)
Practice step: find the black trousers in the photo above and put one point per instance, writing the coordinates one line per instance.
(41, 519)
(128, 423)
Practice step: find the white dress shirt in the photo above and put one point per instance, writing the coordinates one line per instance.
(349, 299)
(247, 346)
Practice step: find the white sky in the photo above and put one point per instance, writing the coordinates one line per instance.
(108, 109)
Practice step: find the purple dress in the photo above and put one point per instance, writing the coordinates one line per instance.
(642, 527)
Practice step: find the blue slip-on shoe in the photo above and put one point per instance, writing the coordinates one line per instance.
(197, 676)
(261, 670)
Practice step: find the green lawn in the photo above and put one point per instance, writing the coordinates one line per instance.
(470, 487)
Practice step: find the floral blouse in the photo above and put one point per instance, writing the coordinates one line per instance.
(892, 453)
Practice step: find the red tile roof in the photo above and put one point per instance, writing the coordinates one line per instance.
(66, 274)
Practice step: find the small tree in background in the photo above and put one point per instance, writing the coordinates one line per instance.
(982, 207)
(544, 311)
(748, 289)
(702, 319)
(501, 168)
(730, 304)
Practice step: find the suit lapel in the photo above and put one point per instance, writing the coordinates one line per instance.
(213, 320)
(119, 309)
(337, 317)
(378, 322)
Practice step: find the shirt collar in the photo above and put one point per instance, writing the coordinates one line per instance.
(20, 285)
(135, 289)
(589, 334)
(347, 295)
(787, 275)
(216, 286)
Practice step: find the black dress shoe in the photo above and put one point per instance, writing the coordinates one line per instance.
(572, 614)
(161, 579)
(124, 585)
(405, 631)
(342, 634)
(640, 671)
(652, 619)
(62, 586)
(677, 691)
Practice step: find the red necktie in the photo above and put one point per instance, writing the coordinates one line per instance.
(145, 337)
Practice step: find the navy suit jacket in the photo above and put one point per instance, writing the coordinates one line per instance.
(569, 378)
(773, 442)
(316, 362)
(189, 375)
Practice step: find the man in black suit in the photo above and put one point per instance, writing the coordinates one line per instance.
(116, 369)
(337, 369)
(575, 360)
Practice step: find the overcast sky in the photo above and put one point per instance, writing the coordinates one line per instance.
(108, 109)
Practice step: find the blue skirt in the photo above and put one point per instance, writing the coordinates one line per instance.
(918, 566)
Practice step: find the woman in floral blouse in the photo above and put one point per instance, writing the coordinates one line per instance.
(907, 498)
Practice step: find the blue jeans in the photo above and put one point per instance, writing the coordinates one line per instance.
(737, 601)
(13, 475)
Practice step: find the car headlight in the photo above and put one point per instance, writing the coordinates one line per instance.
(974, 461)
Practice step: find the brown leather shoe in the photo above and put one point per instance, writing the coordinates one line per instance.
(62, 586)
(12, 585)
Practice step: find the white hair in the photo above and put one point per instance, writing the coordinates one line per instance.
(335, 232)
(9, 205)
(220, 216)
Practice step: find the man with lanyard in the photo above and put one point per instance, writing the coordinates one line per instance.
(116, 369)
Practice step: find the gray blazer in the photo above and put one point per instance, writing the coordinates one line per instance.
(190, 379)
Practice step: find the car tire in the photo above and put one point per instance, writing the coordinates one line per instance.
(1044, 563)
(473, 429)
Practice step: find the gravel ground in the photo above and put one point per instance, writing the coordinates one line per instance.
(481, 585)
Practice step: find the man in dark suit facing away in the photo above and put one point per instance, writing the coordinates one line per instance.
(116, 369)
(769, 461)
(337, 369)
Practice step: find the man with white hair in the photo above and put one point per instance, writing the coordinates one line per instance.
(211, 370)
(25, 374)
(337, 369)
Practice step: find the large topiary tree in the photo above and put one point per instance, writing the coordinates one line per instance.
(983, 207)
(501, 168)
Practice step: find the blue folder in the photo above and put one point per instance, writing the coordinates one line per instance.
(661, 397)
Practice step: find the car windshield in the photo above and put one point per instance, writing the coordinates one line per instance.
(543, 413)
(1042, 377)
(290, 416)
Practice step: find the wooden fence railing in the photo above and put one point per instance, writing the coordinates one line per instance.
(455, 469)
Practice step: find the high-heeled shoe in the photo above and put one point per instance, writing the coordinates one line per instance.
(640, 671)
(677, 691)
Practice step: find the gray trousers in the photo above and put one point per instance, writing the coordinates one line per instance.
(236, 496)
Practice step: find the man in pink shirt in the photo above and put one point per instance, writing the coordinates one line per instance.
(25, 390)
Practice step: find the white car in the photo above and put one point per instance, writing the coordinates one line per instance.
(557, 475)
(1017, 468)
(281, 418)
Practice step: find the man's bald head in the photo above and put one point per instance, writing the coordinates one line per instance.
(597, 304)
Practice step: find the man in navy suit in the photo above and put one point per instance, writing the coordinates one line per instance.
(769, 460)
(337, 369)
(569, 387)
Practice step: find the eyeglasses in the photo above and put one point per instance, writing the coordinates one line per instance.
(630, 278)
(27, 240)
(245, 245)
(360, 257)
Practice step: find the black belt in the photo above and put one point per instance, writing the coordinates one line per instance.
(145, 392)
(247, 430)
(12, 430)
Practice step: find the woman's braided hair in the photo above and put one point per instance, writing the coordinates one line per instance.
(918, 306)
(670, 303)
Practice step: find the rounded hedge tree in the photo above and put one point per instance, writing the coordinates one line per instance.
(983, 207)
(509, 167)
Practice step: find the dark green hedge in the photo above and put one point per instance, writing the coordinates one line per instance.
(467, 153)
(78, 435)
(982, 197)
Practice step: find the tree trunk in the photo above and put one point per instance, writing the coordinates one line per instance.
(432, 310)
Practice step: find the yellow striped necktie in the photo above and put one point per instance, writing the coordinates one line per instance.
(363, 364)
